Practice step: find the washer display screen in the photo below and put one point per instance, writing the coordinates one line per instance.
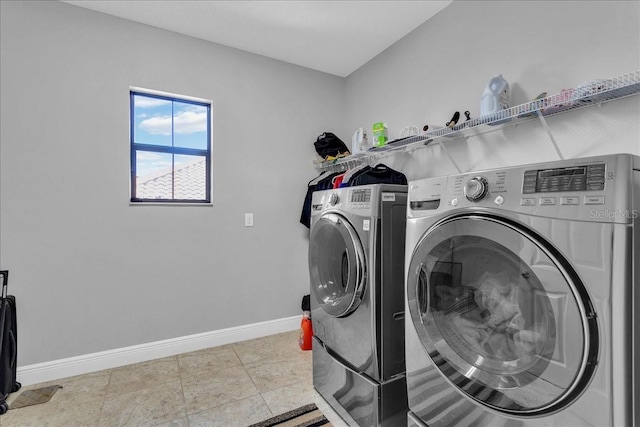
(579, 178)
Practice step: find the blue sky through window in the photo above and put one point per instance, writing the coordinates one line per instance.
(167, 123)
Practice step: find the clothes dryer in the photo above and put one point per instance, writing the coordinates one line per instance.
(521, 296)
(356, 264)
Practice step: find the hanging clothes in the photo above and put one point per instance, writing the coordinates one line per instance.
(348, 175)
(380, 174)
(337, 180)
(324, 181)
(315, 180)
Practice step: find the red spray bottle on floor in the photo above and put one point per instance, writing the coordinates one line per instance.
(306, 331)
(306, 328)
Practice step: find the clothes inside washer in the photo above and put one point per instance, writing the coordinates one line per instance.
(488, 316)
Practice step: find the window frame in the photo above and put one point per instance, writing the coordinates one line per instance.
(135, 147)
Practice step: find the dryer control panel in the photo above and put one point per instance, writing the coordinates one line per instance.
(360, 197)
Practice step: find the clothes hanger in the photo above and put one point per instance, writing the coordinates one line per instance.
(380, 167)
(317, 179)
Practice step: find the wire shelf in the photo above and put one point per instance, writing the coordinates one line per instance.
(590, 93)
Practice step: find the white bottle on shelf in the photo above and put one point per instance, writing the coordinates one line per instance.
(496, 97)
(364, 142)
(359, 143)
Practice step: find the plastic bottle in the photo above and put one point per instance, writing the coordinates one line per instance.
(496, 97)
(359, 141)
(306, 331)
(379, 134)
(364, 142)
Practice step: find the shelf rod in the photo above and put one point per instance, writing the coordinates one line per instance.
(553, 140)
(449, 155)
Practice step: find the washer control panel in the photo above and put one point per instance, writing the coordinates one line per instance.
(587, 189)
(575, 178)
(476, 188)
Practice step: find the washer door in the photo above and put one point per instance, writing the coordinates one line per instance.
(501, 314)
(336, 265)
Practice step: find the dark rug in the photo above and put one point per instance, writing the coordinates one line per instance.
(34, 397)
(304, 416)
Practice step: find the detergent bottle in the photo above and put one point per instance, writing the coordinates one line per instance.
(496, 97)
(306, 331)
(380, 137)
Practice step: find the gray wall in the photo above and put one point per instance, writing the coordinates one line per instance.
(444, 65)
(93, 273)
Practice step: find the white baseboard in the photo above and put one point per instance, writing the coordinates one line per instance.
(72, 366)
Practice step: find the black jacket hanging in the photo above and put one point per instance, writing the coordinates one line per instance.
(380, 174)
(323, 184)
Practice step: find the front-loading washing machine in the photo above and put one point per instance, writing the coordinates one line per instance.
(356, 266)
(521, 296)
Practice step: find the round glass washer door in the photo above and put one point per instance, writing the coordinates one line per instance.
(336, 265)
(502, 315)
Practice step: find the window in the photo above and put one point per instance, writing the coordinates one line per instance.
(170, 148)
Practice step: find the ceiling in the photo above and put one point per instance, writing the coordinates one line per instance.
(335, 37)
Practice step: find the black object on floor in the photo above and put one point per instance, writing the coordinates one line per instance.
(306, 303)
(8, 344)
(304, 416)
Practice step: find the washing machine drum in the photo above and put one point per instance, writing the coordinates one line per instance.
(336, 265)
(501, 314)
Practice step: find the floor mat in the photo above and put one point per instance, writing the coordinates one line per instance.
(34, 397)
(304, 416)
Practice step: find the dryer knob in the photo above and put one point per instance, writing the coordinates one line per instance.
(476, 188)
(333, 199)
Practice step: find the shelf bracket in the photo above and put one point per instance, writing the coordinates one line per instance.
(546, 128)
(449, 155)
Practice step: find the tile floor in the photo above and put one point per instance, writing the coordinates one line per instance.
(232, 385)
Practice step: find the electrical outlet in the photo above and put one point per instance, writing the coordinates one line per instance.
(248, 220)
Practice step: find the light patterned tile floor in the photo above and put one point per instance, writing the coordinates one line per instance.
(232, 385)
